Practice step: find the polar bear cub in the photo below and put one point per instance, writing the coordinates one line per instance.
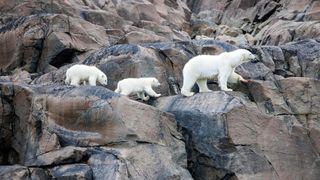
(82, 73)
(202, 67)
(139, 86)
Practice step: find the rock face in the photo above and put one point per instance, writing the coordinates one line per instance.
(268, 128)
(228, 137)
(256, 21)
(40, 43)
(57, 125)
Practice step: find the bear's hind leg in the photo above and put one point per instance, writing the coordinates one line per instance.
(142, 96)
(67, 80)
(75, 81)
(118, 90)
(187, 85)
(202, 84)
(125, 92)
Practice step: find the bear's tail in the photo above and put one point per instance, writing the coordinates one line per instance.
(118, 89)
(67, 80)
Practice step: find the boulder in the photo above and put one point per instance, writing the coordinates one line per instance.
(227, 136)
(302, 58)
(42, 43)
(63, 155)
(282, 31)
(267, 128)
(301, 94)
(164, 61)
(267, 22)
(22, 172)
(268, 97)
(73, 171)
(56, 125)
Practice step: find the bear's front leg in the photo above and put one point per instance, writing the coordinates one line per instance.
(92, 81)
(151, 92)
(223, 79)
(235, 78)
(242, 79)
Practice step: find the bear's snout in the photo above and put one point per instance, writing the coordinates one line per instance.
(255, 59)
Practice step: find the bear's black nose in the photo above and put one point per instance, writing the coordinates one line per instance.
(255, 60)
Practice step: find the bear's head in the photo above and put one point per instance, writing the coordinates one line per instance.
(247, 55)
(155, 82)
(102, 78)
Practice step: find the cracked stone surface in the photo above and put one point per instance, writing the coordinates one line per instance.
(268, 128)
(93, 117)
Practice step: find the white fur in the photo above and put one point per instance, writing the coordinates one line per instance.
(82, 73)
(203, 67)
(139, 86)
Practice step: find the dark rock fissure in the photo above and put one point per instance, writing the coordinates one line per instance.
(63, 58)
(266, 128)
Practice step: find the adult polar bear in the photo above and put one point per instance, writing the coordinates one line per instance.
(82, 73)
(203, 67)
(138, 85)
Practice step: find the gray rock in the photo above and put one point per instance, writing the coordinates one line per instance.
(301, 94)
(61, 156)
(306, 52)
(105, 165)
(228, 137)
(14, 172)
(73, 171)
(265, 129)
(47, 42)
(57, 130)
(268, 97)
(18, 172)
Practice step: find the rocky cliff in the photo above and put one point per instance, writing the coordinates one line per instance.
(268, 128)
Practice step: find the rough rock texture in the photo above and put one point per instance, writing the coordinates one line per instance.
(268, 128)
(21, 172)
(37, 33)
(41, 43)
(161, 60)
(56, 125)
(229, 137)
(256, 21)
(76, 171)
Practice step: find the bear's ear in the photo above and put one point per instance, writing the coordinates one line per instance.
(242, 58)
(245, 57)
